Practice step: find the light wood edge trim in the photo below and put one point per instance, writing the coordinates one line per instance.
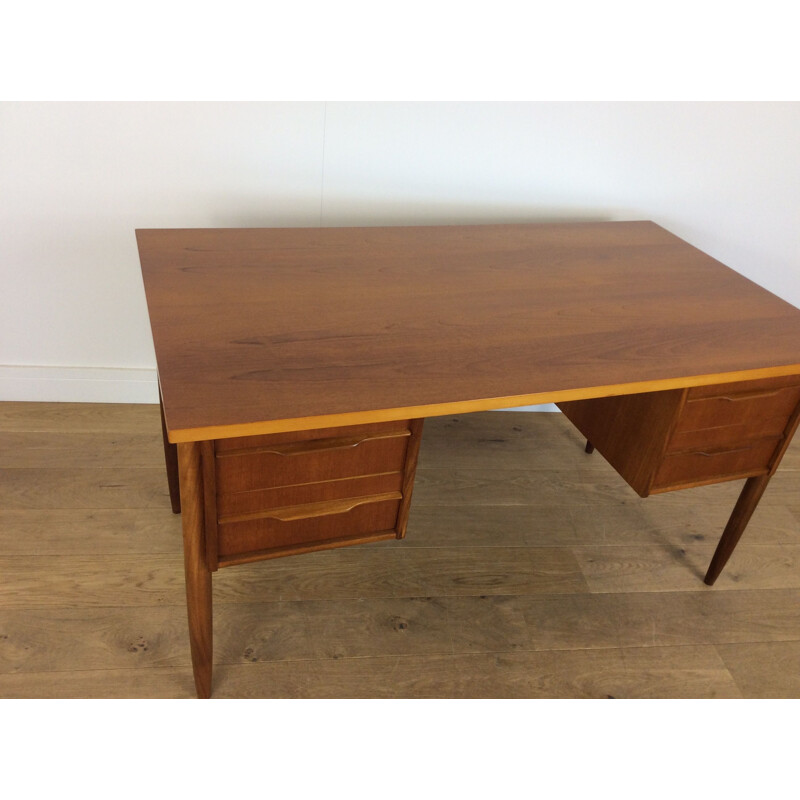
(320, 445)
(292, 550)
(468, 406)
(324, 508)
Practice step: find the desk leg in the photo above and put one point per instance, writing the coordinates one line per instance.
(171, 457)
(742, 511)
(198, 576)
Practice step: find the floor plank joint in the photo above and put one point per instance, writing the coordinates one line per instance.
(529, 570)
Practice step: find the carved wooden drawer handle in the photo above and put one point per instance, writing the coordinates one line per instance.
(313, 445)
(713, 453)
(735, 398)
(309, 510)
(330, 507)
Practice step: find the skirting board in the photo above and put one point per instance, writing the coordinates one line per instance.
(78, 384)
(98, 385)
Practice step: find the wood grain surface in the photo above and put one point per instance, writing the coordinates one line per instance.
(494, 592)
(260, 330)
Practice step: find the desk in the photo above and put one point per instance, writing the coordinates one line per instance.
(296, 367)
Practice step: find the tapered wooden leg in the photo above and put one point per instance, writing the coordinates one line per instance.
(589, 447)
(171, 457)
(198, 576)
(742, 511)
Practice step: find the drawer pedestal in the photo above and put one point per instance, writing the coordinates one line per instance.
(677, 439)
(275, 495)
(281, 494)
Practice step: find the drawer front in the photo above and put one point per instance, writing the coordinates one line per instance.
(725, 437)
(761, 407)
(736, 387)
(243, 503)
(709, 466)
(288, 463)
(248, 443)
(308, 525)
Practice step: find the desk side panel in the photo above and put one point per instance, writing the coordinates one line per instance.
(630, 432)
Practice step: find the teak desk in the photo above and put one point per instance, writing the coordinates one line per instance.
(296, 367)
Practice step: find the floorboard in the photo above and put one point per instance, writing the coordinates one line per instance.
(529, 570)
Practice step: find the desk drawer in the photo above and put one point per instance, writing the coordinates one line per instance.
(678, 438)
(279, 494)
(761, 407)
(724, 416)
(311, 525)
(238, 503)
(708, 466)
(289, 463)
(724, 437)
(250, 443)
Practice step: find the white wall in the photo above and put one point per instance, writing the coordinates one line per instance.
(76, 179)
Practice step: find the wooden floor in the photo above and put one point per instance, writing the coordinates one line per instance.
(529, 570)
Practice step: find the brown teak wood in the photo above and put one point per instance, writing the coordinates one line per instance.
(241, 506)
(269, 339)
(198, 575)
(267, 330)
(740, 516)
(631, 431)
(210, 514)
(321, 514)
(263, 469)
(746, 504)
(660, 441)
(351, 519)
(409, 473)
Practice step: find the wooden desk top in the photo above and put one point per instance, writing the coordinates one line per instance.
(260, 330)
